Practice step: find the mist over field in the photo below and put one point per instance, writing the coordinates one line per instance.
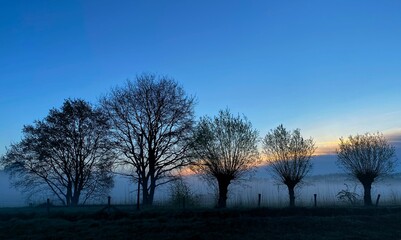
(326, 180)
(9, 197)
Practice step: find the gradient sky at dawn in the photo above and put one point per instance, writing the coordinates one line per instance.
(330, 68)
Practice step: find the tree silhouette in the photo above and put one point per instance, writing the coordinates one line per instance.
(289, 156)
(69, 153)
(225, 149)
(152, 122)
(366, 157)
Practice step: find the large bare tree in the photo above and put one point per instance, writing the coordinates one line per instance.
(366, 157)
(225, 148)
(68, 154)
(152, 120)
(289, 157)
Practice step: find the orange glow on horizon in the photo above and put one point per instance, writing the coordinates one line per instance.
(186, 171)
(326, 148)
(329, 147)
(323, 148)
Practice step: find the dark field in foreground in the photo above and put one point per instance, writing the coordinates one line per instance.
(301, 223)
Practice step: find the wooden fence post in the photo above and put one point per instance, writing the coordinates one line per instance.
(48, 206)
(259, 198)
(377, 200)
(108, 201)
(315, 200)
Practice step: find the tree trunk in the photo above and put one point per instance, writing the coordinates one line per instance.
(145, 194)
(152, 190)
(291, 194)
(69, 194)
(75, 199)
(367, 198)
(148, 191)
(75, 195)
(152, 160)
(223, 190)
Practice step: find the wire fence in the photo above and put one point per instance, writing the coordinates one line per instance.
(316, 191)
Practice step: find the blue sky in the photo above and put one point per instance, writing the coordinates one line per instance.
(330, 68)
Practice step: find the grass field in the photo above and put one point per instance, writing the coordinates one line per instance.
(161, 223)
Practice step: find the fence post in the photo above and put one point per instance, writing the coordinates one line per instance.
(315, 200)
(108, 201)
(377, 200)
(183, 202)
(259, 198)
(48, 206)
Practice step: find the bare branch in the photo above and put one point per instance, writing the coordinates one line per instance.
(366, 157)
(289, 156)
(225, 149)
(152, 122)
(69, 153)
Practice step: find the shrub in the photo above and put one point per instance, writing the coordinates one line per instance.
(348, 196)
(181, 195)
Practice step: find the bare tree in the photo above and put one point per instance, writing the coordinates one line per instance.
(152, 122)
(69, 154)
(225, 148)
(289, 156)
(366, 157)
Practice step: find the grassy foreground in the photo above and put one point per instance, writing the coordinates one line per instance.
(125, 223)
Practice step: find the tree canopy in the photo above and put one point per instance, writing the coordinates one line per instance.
(366, 157)
(225, 148)
(68, 154)
(289, 156)
(152, 119)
